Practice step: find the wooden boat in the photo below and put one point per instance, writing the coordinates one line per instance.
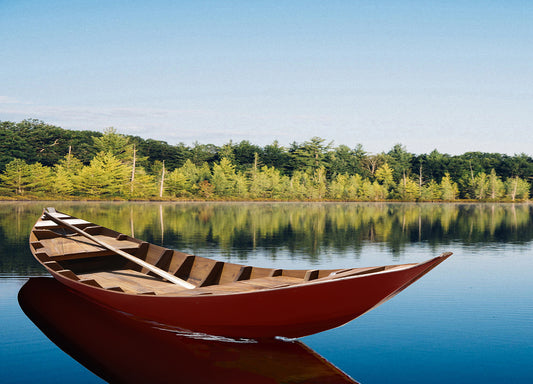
(165, 286)
(122, 350)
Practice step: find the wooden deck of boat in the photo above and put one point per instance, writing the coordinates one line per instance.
(78, 247)
(131, 281)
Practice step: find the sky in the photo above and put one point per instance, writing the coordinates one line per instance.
(455, 76)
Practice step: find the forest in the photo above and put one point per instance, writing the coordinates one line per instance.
(42, 161)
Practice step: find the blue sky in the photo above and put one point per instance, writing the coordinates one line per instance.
(455, 76)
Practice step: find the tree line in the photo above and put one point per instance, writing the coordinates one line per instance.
(45, 161)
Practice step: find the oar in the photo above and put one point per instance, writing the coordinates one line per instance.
(153, 268)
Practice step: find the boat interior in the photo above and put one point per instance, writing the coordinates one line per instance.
(79, 258)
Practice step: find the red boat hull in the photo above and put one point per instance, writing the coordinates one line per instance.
(293, 311)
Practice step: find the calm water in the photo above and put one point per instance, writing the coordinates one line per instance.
(470, 320)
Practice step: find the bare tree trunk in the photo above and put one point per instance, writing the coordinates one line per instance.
(515, 187)
(162, 180)
(133, 169)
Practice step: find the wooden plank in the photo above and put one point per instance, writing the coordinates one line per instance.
(36, 245)
(93, 230)
(68, 273)
(53, 265)
(260, 272)
(246, 285)
(41, 255)
(76, 247)
(311, 274)
(276, 272)
(233, 272)
(185, 268)
(165, 259)
(42, 234)
(91, 282)
(131, 281)
(352, 272)
(50, 224)
(271, 282)
(213, 277)
(161, 262)
(118, 289)
(244, 273)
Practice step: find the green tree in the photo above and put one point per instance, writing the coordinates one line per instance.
(343, 160)
(201, 153)
(480, 184)
(337, 188)
(319, 183)
(225, 180)
(431, 191)
(517, 189)
(400, 161)
(408, 189)
(384, 176)
(150, 151)
(496, 186)
(114, 143)
(310, 155)
(63, 181)
(184, 181)
(20, 177)
(16, 176)
(176, 183)
(298, 186)
(371, 163)
(64, 174)
(372, 191)
(227, 152)
(435, 165)
(143, 185)
(106, 175)
(247, 156)
(274, 155)
(267, 183)
(448, 188)
(353, 186)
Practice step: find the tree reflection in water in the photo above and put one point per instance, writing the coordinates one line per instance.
(303, 230)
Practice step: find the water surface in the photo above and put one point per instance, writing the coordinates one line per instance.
(469, 320)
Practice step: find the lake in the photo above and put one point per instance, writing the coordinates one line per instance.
(469, 320)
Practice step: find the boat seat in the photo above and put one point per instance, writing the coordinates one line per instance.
(50, 224)
(79, 247)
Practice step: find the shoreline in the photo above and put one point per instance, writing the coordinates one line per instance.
(185, 200)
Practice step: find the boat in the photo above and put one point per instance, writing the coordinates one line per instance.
(120, 349)
(160, 285)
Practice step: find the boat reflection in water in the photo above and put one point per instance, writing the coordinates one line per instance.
(122, 349)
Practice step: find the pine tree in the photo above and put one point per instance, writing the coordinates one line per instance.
(448, 188)
(106, 175)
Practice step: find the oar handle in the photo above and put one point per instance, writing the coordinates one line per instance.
(165, 275)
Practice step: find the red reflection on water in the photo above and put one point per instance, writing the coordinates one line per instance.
(121, 349)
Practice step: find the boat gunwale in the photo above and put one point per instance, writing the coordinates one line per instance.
(256, 291)
(203, 292)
